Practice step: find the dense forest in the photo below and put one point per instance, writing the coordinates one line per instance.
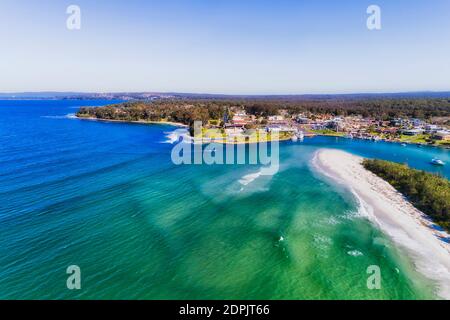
(186, 110)
(428, 192)
(180, 111)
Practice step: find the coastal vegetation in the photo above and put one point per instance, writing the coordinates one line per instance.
(420, 138)
(402, 120)
(184, 110)
(428, 192)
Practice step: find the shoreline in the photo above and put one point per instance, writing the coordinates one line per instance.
(393, 214)
(170, 123)
(175, 124)
(211, 141)
(179, 124)
(418, 144)
(220, 141)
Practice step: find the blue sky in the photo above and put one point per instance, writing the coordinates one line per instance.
(231, 46)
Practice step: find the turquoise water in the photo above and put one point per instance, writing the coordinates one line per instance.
(106, 197)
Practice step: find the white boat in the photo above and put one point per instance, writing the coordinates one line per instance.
(298, 136)
(403, 144)
(437, 162)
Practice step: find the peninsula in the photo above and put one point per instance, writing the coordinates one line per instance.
(418, 121)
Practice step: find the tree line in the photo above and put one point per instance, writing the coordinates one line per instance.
(428, 192)
(187, 110)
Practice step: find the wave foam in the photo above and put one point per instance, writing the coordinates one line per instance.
(67, 116)
(249, 178)
(174, 136)
(355, 253)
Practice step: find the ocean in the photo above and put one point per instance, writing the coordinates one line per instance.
(107, 198)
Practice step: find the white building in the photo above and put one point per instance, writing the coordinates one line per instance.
(432, 128)
(412, 132)
(275, 118)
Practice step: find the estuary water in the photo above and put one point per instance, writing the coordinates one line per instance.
(107, 198)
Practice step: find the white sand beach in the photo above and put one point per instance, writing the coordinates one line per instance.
(393, 214)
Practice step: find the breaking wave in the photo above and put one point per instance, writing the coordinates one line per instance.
(175, 136)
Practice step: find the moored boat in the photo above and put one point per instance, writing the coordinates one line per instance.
(437, 162)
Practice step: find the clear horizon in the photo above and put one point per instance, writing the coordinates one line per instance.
(225, 47)
(228, 94)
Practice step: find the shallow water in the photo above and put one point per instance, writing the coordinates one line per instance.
(106, 197)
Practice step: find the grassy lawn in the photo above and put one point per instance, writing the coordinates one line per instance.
(425, 139)
(219, 136)
(420, 138)
(442, 143)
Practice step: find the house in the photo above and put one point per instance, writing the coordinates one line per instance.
(412, 132)
(432, 128)
(240, 119)
(417, 122)
(273, 128)
(280, 128)
(276, 120)
(387, 130)
(240, 113)
(233, 130)
(442, 135)
(399, 122)
(318, 126)
(302, 120)
(335, 124)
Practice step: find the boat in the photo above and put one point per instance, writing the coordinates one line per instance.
(437, 162)
(298, 136)
(403, 144)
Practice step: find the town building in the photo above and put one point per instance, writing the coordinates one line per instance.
(412, 132)
(442, 135)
